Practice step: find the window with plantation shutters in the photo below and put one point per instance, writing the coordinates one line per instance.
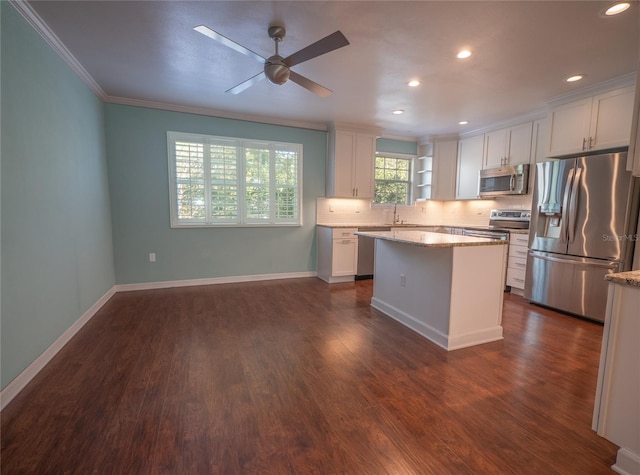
(224, 181)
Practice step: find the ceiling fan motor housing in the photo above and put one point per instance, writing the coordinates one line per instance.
(276, 71)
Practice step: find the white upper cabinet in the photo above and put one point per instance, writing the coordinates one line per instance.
(611, 115)
(444, 170)
(470, 155)
(593, 123)
(509, 146)
(350, 167)
(539, 141)
(494, 148)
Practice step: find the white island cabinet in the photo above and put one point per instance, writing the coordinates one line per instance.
(616, 413)
(448, 288)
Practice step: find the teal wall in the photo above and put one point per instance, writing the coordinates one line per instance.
(397, 146)
(138, 179)
(57, 258)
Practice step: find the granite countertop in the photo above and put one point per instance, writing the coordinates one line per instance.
(371, 225)
(427, 239)
(407, 225)
(625, 278)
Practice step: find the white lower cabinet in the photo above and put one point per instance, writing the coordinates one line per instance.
(616, 412)
(337, 254)
(517, 266)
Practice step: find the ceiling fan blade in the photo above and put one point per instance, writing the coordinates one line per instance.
(246, 84)
(325, 45)
(309, 84)
(206, 31)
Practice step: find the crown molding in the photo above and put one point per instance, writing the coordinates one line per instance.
(599, 88)
(403, 138)
(531, 116)
(430, 139)
(216, 113)
(38, 24)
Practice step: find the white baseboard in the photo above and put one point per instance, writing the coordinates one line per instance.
(212, 280)
(14, 387)
(427, 331)
(448, 342)
(627, 462)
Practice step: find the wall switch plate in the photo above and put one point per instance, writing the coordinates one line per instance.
(403, 280)
(152, 257)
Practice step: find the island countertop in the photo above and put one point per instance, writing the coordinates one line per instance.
(631, 278)
(428, 239)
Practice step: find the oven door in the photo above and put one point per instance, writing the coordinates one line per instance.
(495, 235)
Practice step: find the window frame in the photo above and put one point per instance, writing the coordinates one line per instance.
(241, 145)
(411, 182)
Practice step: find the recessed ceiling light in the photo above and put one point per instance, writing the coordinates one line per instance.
(463, 122)
(413, 83)
(617, 8)
(575, 78)
(398, 112)
(465, 53)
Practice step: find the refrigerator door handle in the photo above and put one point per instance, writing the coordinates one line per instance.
(576, 262)
(565, 206)
(573, 205)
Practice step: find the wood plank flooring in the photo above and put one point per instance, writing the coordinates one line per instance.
(302, 377)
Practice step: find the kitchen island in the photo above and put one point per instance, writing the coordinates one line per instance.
(448, 288)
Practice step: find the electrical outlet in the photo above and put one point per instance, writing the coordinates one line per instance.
(403, 280)
(357, 210)
(152, 257)
(330, 209)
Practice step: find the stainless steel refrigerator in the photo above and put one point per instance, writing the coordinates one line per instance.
(583, 225)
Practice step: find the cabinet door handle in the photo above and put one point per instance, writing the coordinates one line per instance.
(584, 143)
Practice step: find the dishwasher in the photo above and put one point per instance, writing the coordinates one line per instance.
(366, 252)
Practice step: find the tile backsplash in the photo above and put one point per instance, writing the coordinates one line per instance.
(452, 213)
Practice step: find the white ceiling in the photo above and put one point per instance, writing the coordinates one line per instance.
(522, 51)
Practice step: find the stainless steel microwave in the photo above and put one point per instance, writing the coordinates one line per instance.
(508, 180)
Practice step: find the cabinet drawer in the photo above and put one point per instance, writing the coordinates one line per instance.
(515, 278)
(344, 233)
(517, 263)
(519, 239)
(518, 251)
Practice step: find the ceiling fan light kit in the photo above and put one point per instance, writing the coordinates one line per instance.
(277, 69)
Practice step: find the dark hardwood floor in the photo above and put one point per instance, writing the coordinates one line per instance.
(301, 377)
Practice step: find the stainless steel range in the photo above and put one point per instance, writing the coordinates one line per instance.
(501, 223)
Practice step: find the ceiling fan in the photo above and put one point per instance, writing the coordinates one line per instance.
(276, 68)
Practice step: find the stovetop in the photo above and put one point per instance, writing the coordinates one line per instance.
(509, 219)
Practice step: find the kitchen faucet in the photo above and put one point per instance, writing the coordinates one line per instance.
(395, 215)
